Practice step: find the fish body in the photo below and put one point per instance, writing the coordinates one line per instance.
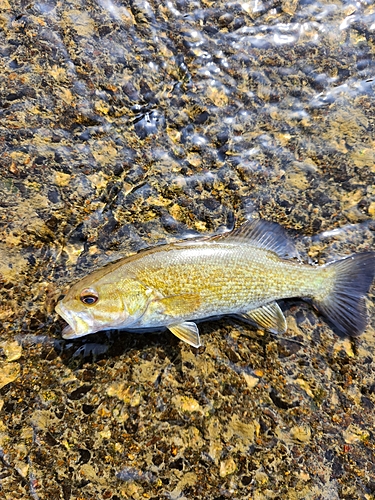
(243, 272)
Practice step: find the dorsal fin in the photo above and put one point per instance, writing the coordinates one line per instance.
(264, 234)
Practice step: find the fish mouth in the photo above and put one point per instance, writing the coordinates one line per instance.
(68, 332)
(76, 326)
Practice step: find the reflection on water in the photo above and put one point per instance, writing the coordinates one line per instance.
(127, 124)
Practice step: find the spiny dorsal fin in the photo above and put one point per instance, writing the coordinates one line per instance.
(264, 234)
(186, 331)
(270, 317)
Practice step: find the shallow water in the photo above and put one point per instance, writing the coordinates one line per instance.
(124, 125)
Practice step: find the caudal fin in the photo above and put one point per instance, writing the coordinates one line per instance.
(345, 305)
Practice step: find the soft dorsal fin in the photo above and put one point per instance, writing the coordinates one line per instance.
(264, 234)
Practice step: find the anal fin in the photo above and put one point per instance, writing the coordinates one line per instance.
(270, 317)
(186, 331)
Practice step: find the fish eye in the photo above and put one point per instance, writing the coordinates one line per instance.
(89, 297)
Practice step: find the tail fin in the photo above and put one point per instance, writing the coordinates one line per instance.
(345, 305)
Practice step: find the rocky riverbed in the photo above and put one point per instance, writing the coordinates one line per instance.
(130, 124)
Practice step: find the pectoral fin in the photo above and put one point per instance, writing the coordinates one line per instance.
(177, 305)
(270, 317)
(188, 332)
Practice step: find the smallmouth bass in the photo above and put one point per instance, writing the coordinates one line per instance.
(243, 272)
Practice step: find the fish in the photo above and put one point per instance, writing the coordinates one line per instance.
(244, 272)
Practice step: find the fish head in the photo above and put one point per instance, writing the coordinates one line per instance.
(91, 307)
